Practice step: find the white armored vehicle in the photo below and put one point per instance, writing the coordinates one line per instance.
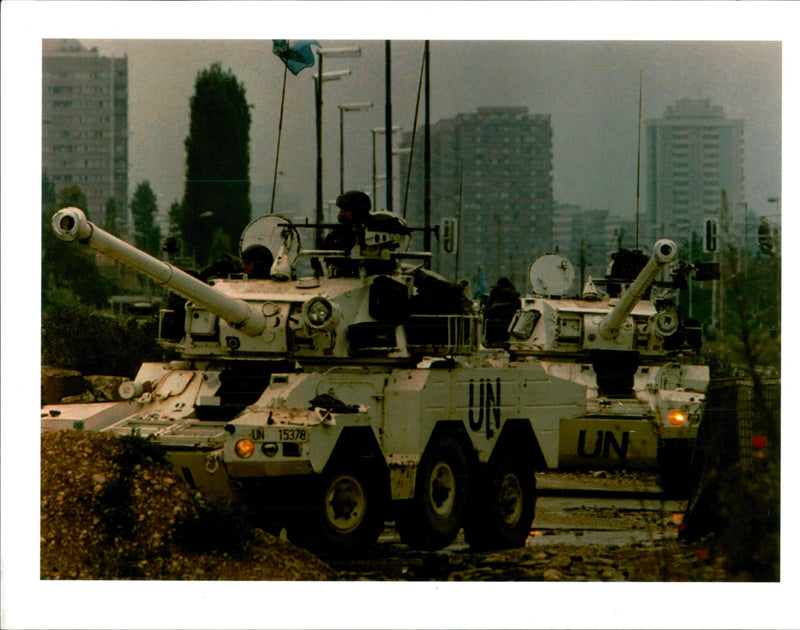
(358, 392)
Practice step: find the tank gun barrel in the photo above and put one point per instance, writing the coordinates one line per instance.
(664, 252)
(71, 224)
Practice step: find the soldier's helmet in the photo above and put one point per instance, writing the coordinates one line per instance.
(355, 203)
(257, 261)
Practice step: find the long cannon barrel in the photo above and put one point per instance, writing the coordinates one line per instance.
(70, 224)
(664, 252)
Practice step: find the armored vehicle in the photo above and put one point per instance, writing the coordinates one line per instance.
(350, 388)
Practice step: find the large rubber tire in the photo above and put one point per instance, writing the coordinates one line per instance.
(675, 469)
(504, 505)
(433, 518)
(347, 515)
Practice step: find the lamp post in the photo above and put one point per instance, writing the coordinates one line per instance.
(319, 79)
(346, 107)
(375, 131)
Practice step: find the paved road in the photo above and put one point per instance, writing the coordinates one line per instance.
(598, 513)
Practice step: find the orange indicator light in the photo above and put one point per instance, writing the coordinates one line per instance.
(244, 448)
(677, 417)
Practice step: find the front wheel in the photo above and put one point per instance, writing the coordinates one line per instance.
(504, 506)
(432, 519)
(675, 467)
(347, 515)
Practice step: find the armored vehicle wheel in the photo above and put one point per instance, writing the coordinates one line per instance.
(431, 520)
(504, 505)
(675, 469)
(347, 513)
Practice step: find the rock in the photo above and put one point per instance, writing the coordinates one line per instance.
(561, 561)
(106, 387)
(551, 575)
(58, 383)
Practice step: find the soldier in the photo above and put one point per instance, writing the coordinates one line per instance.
(501, 305)
(257, 262)
(354, 207)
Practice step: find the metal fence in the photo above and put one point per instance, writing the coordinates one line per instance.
(735, 420)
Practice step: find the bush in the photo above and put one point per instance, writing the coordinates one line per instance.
(215, 526)
(79, 339)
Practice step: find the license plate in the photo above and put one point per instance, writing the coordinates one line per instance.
(281, 434)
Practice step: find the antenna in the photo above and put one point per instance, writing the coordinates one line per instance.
(639, 157)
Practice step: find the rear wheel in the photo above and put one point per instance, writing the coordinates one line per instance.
(432, 519)
(347, 514)
(504, 506)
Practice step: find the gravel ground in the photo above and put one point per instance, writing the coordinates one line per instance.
(88, 533)
(99, 523)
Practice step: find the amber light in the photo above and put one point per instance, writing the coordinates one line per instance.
(244, 448)
(676, 417)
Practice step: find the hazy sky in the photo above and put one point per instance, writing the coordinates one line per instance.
(590, 90)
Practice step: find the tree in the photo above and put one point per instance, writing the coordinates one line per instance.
(69, 270)
(175, 219)
(144, 209)
(48, 192)
(111, 216)
(217, 192)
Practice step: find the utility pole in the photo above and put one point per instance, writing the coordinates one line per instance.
(389, 183)
(427, 152)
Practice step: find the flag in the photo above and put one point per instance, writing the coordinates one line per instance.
(480, 285)
(297, 55)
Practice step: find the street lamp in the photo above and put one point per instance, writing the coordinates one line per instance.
(346, 107)
(319, 79)
(375, 131)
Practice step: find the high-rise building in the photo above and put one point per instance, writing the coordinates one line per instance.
(693, 153)
(492, 171)
(85, 124)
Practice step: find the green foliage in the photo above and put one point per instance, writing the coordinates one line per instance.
(79, 339)
(742, 508)
(111, 216)
(69, 271)
(217, 193)
(175, 219)
(144, 208)
(116, 506)
(220, 245)
(48, 191)
(215, 526)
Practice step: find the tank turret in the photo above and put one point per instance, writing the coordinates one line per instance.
(664, 252)
(550, 323)
(358, 305)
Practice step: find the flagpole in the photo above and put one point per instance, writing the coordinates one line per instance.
(278, 151)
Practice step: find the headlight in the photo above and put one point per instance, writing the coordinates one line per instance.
(270, 449)
(320, 313)
(244, 448)
(677, 417)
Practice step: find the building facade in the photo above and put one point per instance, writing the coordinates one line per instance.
(85, 125)
(492, 170)
(693, 154)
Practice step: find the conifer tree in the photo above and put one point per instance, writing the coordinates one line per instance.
(217, 191)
